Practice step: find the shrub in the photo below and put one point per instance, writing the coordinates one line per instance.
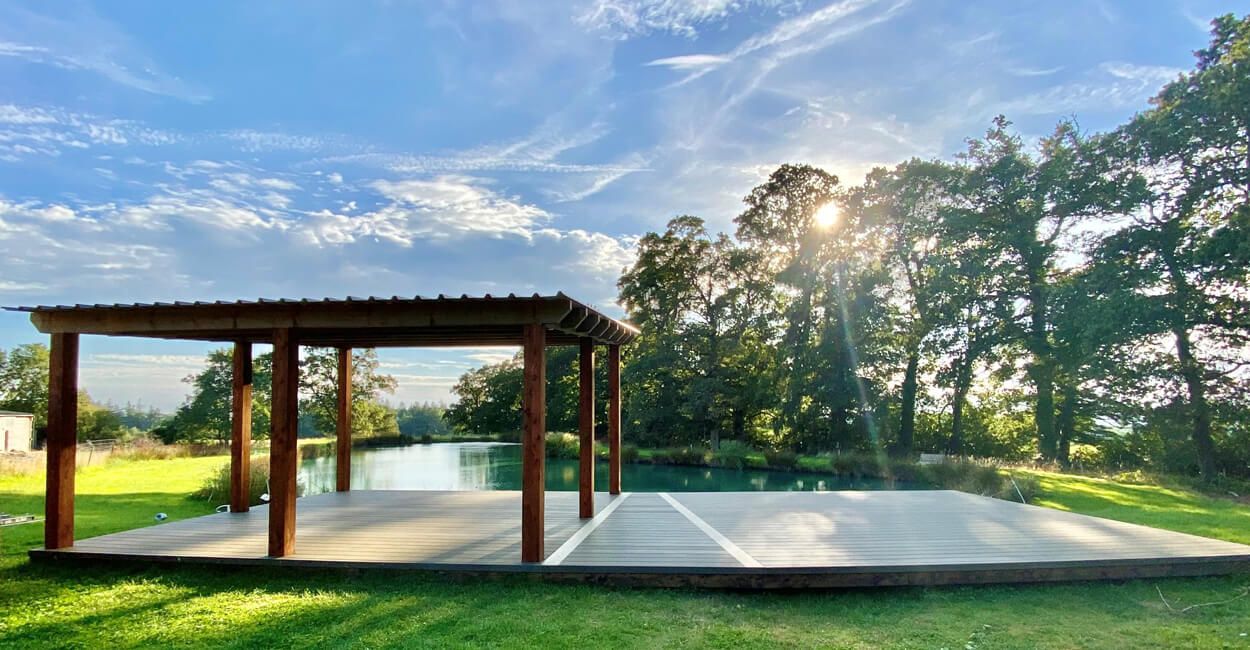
(629, 453)
(844, 465)
(427, 439)
(661, 456)
(1084, 456)
(1029, 487)
(150, 449)
(945, 475)
(782, 459)
(563, 445)
(857, 465)
(217, 486)
(687, 456)
(903, 470)
(985, 480)
(732, 454)
(316, 450)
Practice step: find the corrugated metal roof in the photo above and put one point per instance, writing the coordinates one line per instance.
(262, 301)
(394, 320)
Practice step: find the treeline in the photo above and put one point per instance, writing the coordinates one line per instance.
(24, 388)
(1082, 299)
(205, 415)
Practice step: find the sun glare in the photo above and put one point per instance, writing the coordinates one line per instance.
(827, 216)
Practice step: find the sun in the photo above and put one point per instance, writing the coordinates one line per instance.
(827, 216)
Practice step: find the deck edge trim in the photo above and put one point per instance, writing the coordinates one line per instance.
(738, 554)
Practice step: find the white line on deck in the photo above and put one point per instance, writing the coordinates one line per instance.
(584, 532)
(730, 548)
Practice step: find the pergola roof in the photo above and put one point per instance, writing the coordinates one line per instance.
(345, 322)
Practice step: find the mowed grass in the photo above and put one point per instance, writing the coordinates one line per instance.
(45, 605)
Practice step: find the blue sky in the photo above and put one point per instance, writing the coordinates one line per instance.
(161, 151)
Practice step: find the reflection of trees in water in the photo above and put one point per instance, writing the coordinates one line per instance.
(487, 466)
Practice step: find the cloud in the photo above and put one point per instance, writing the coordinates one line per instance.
(627, 18)
(487, 358)
(691, 61)
(48, 131)
(1034, 72)
(144, 360)
(537, 151)
(447, 206)
(789, 38)
(261, 141)
(1112, 85)
(80, 40)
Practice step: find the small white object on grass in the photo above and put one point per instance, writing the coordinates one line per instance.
(160, 516)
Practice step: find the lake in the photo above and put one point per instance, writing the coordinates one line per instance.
(497, 466)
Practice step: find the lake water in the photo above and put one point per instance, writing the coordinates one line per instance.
(497, 466)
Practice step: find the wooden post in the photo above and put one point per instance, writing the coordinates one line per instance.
(283, 443)
(586, 430)
(62, 441)
(533, 442)
(614, 419)
(241, 427)
(343, 425)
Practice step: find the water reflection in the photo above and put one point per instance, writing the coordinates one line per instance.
(497, 466)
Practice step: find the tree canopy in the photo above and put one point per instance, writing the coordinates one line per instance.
(1083, 298)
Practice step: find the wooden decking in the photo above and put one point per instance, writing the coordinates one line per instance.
(750, 539)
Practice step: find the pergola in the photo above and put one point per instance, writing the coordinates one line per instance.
(532, 322)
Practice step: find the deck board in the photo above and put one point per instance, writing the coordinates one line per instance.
(839, 538)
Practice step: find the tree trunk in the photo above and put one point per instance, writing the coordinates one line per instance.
(907, 419)
(1200, 412)
(1067, 424)
(963, 381)
(739, 424)
(1042, 371)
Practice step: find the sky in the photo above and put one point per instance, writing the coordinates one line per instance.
(202, 151)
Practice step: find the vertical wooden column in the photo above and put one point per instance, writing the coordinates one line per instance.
(241, 427)
(283, 443)
(343, 425)
(62, 441)
(533, 442)
(586, 430)
(614, 419)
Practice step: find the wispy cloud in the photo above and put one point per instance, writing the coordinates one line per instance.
(792, 37)
(76, 38)
(627, 18)
(1034, 72)
(691, 61)
(1112, 85)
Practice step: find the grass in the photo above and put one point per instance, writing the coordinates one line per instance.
(63, 606)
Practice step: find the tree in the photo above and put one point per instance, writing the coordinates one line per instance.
(205, 415)
(1023, 207)
(488, 400)
(24, 381)
(905, 207)
(97, 422)
(819, 283)
(660, 291)
(421, 420)
(700, 297)
(319, 384)
(1186, 254)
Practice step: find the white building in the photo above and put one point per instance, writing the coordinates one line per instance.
(16, 430)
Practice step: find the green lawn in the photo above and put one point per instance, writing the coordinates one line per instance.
(66, 606)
